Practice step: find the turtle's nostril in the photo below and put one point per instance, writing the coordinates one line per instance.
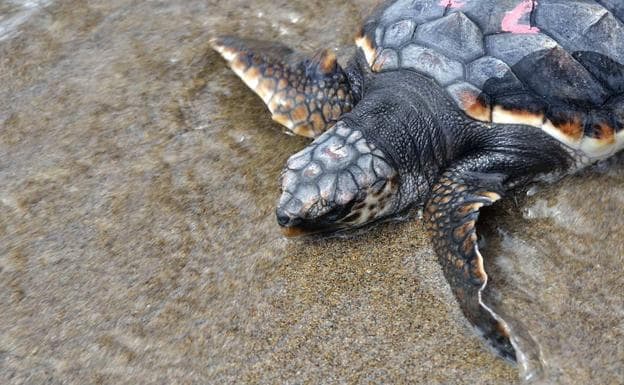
(284, 220)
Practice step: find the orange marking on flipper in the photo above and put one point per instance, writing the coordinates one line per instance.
(299, 114)
(266, 89)
(327, 111)
(468, 208)
(233, 56)
(284, 120)
(479, 271)
(327, 61)
(239, 66)
(304, 130)
(290, 90)
(468, 245)
(503, 115)
(281, 102)
(281, 84)
(249, 75)
(336, 111)
(228, 53)
(511, 21)
(446, 199)
(490, 195)
(317, 122)
(367, 47)
(312, 105)
(263, 86)
(461, 231)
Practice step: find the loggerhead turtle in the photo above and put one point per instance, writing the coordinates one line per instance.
(448, 105)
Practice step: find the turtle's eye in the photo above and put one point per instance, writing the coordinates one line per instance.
(337, 213)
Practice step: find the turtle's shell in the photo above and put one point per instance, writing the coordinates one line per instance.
(553, 64)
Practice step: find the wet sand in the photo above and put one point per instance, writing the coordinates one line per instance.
(138, 242)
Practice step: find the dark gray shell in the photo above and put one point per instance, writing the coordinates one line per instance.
(553, 64)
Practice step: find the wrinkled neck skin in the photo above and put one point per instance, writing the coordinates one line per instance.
(409, 118)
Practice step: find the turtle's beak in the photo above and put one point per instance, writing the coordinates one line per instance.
(296, 227)
(291, 226)
(292, 232)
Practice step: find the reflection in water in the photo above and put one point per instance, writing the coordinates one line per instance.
(14, 13)
(559, 273)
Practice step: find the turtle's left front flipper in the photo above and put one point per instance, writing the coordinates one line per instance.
(305, 94)
(497, 158)
(451, 216)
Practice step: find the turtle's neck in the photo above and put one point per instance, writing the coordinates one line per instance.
(408, 117)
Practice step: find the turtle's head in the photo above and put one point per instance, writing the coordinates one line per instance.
(339, 181)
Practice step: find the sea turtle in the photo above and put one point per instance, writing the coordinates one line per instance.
(447, 105)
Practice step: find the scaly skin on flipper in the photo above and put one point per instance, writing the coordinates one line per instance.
(451, 216)
(502, 158)
(305, 94)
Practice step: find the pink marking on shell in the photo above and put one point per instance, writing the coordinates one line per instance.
(453, 4)
(511, 21)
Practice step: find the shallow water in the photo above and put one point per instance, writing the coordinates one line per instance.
(138, 243)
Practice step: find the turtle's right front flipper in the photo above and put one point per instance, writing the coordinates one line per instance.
(305, 94)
